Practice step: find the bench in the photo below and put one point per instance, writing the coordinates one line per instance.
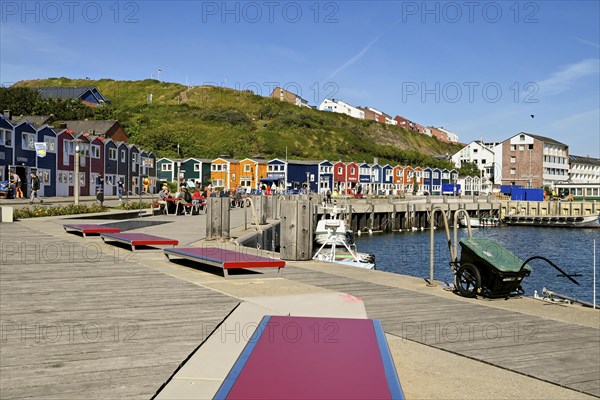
(138, 239)
(86, 229)
(314, 358)
(225, 259)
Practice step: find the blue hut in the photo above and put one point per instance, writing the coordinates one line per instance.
(388, 178)
(364, 177)
(376, 179)
(46, 164)
(427, 180)
(325, 178)
(302, 173)
(6, 147)
(123, 164)
(111, 167)
(24, 150)
(134, 182)
(277, 172)
(436, 181)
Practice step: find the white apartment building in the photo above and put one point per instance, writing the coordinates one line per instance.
(484, 157)
(340, 107)
(452, 137)
(584, 169)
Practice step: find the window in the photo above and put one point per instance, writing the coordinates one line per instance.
(522, 138)
(112, 154)
(513, 159)
(196, 167)
(513, 147)
(521, 147)
(95, 151)
(50, 144)
(340, 170)
(6, 137)
(352, 170)
(483, 161)
(247, 168)
(513, 171)
(475, 150)
(123, 156)
(167, 167)
(28, 141)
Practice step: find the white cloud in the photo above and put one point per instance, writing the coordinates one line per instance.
(565, 78)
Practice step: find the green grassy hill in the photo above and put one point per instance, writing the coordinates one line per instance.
(213, 121)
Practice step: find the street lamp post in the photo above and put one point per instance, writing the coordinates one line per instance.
(307, 183)
(76, 177)
(530, 168)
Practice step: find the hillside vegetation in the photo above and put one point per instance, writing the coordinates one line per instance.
(211, 121)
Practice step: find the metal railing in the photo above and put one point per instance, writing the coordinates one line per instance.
(453, 250)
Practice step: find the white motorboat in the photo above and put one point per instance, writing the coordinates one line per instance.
(349, 256)
(482, 222)
(333, 216)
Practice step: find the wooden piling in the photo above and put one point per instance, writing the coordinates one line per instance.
(217, 221)
(296, 230)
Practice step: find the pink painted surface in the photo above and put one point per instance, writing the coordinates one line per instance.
(140, 239)
(314, 358)
(92, 228)
(229, 258)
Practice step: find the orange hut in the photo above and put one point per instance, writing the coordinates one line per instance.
(252, 170)
(224, 173)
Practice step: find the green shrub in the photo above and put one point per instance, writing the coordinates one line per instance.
(233, 117)
(136, 205)
(71, 209)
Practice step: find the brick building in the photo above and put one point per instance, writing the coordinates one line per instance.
(534, 161)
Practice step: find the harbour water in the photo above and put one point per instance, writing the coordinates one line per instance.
(407, 253)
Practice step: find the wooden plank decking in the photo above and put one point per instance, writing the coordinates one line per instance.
(557, 352)
(76, 323)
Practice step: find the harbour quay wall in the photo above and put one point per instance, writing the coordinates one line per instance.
(271, 222)
(394, 214)
(542, 208)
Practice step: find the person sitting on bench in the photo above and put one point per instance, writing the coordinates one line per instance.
(163, 195)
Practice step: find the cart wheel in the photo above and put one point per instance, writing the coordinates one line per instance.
(467, 280)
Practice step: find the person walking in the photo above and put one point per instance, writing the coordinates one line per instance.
(35, 187)
(120, 185)
(15, 180)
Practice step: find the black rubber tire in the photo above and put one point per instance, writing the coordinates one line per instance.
(467, 280)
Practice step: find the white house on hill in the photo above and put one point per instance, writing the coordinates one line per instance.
(340, 107)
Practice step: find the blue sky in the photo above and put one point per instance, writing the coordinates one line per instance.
(479, 69)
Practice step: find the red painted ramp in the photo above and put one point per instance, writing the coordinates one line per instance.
(90, 228)
(314, 358)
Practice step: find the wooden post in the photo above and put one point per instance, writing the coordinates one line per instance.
(296, 230)
(260, 204)
(217, 221)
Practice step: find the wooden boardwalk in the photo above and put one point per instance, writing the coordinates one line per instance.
(78, 322)
(565, 354)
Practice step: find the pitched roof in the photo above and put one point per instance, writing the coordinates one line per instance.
(36, 120)
(583, 160)
(543, 139)
(96, 127)
(74, 92)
